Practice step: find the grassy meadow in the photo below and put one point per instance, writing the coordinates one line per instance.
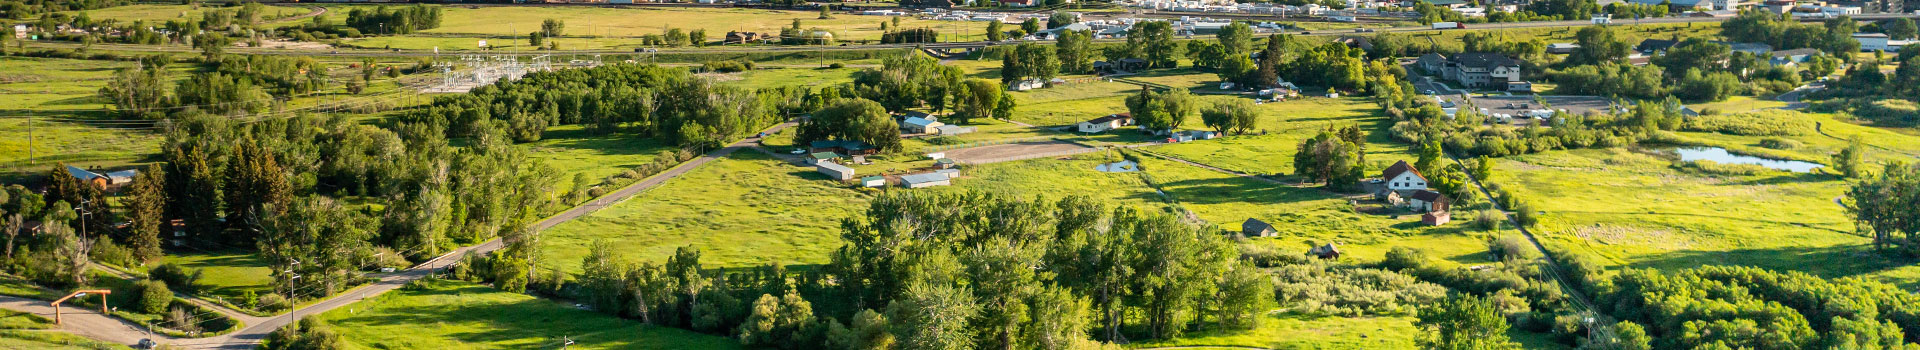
(445, 314)
(40, 340)
(156, 14)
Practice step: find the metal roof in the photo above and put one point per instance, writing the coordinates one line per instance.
(922, 178)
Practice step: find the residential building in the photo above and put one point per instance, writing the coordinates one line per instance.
(835, 171)
(1102, 124)
(1256, 228)
(1473, 69)
(1792, 57)
(1403, 177)
(918, 125)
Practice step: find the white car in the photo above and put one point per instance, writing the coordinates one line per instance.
(799, 151)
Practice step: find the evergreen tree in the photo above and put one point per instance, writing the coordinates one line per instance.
(147, 208)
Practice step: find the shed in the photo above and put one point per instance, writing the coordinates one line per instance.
(1327, 251)
(949, 173)
(835, 171)
(1428, 201)
(822, 157)
(924, 180)
(918, 125)
(1436, 218)
(1256, 228)
(950, 130)
(944, 163)
(873, 181)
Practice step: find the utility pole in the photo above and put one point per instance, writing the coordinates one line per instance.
(30, 155)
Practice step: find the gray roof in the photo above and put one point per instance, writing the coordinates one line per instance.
(922, 178)
(1254, 226)
(1795, 52)
(835, 167)
(1484, 60)
(917, 121)
(82, 174)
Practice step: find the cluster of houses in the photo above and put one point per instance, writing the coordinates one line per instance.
(1493, 71)
(1402, 186)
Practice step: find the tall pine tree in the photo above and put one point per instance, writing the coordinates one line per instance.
(147, 207)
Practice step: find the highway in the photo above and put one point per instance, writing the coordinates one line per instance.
(806, 48)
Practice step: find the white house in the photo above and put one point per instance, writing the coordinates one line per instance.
(1403, 177)
(1028, 84)
(1102, 124)
(918, 125)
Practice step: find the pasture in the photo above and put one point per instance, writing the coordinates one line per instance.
(447, 314)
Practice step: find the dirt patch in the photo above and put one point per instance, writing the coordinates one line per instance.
(1016, 151)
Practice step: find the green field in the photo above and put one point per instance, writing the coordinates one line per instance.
(600, 28)
(444, 314)
(1635, 210)
(227, 275)
(1269, 148)
(745, 210)
(37, 340)
(159, 14)
(572, 149)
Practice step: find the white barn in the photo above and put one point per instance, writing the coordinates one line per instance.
(835, 171)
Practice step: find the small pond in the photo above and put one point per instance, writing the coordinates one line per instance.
(1720, 155)
(1124, 166)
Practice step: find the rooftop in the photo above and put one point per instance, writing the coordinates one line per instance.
(922, 178)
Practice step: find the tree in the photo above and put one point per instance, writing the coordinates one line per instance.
(256, 188)
(154, 297)
(1624, 335)
(934, 316)
(1693, 54)
(1154, 40)
(147, 208)
(1236, 38)
(826, 11)
(1899, 28)
(1430, 154)
(1028, 61)
(1236, 115)
(1074, 48)
(1483, 168)
(1032, 25)
(977, 98)
(1060, 19)
(1463, 323)
(211, 45)
(1326, 158)
(536, 39)
(1598, 44)
(144, 91)
(1848, 161)
(552, 27)
(995, 32)
(861, 120)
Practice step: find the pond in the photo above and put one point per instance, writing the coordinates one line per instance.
(1124, 166)
(1720, 155)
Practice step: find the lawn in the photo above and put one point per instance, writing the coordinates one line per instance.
(1635, 210)
(228, 275)
(572, 149)
(10, 319)
(748, 209)
(444, 314)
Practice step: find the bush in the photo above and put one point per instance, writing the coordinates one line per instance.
(1779, 143)
(1509, 248)
(105, 251)
(183, 320)
(180, 278)
(837, 65)
(271, 302)
(1319, 289)
(1489, 219)
(1402, 258)
(1891, 111)
(154, 297)
(727, 66)
(1761, 123)
(1716, 168)
(1524, 213)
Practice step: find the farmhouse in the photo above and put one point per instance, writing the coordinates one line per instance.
(1256, 228)
(918, 125)
(835, 171)
(1403, 177)
(924, 180)
(1102, 124)
(816, 158)
(1428, 201)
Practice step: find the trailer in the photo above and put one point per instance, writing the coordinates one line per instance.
(1448, 25)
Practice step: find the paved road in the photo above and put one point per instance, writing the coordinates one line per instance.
(96, 326)
(85, 322)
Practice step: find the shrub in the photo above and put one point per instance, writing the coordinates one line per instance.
(154, 297)
(837, 65)
(1716, 168)
(271, 302)
(1761, 123)
(1524, 213)
(727, 66)
(1319, 289)
(1509, 247)
(1779, 143)
(181, 278)
(1489, 219)
(1402, 258)
(1892, 111)
(183, 320)
(106, 251)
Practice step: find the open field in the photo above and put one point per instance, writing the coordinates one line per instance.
(228, 275)
(445, 314)
(745, 210)
(1635, 210)
(61, 96)
(571, 149)
(633, 22)
(156, 15)
(14, 339)
(1269, 148)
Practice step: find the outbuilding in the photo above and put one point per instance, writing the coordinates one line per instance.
(925, 180)
(1102, 124)
(1256, 228)
(1327, 251)
(835, 171)
(918, 125)
(1428, 201)
(816, 158)
(873, 181)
